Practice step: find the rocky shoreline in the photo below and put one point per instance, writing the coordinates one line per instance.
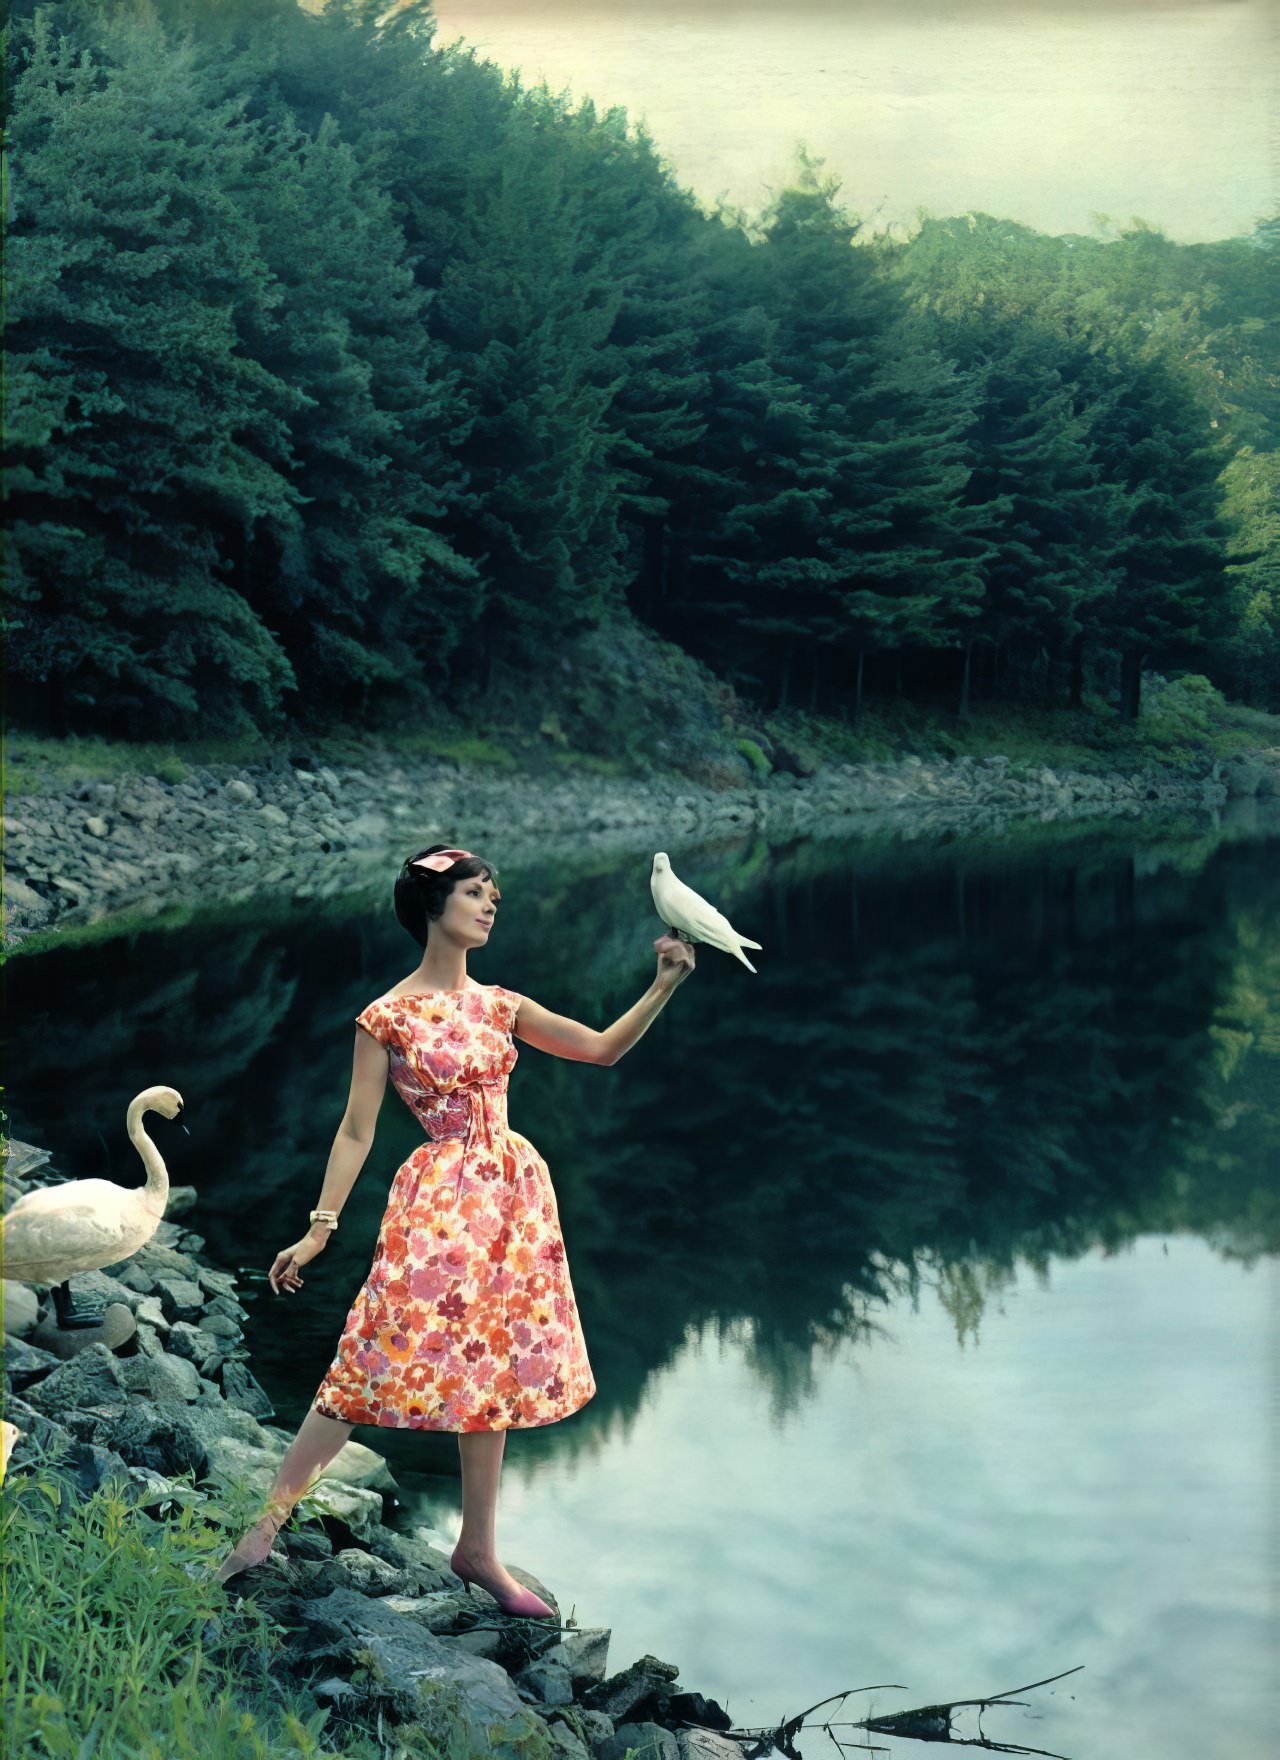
(162, 1387)
(140, 844)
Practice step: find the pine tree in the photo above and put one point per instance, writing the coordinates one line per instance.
(525, 309)
(130, 405)
(364, 586)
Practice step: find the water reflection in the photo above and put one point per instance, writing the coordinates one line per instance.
(954, 1071)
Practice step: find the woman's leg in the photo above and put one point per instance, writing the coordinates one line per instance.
(310, 1452)
(481, 1452)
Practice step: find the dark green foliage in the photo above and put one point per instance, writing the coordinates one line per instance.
(136, 424)
(364, 582)
(342, 368)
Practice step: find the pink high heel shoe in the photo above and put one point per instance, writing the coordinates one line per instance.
(523, 1602)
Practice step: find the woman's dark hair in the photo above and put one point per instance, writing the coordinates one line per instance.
(422, 893)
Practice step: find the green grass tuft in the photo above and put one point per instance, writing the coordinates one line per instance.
(112, 1650)
(754, 756)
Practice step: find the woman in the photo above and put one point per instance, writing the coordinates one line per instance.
(466, 1321)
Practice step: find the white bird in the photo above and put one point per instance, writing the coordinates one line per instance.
(54, 1232)
(9, 1434)
(689, 914)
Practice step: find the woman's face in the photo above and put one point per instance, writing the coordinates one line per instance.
(469, 915)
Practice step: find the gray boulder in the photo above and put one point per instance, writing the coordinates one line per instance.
(649, 1740)
(413, 1672)
(632, 1688)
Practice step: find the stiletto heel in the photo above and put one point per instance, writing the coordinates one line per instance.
(524, 1602)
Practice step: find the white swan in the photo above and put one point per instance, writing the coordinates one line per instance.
(51, 1234)
(9, 1434)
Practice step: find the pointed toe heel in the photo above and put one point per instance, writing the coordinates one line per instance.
(524, 1602)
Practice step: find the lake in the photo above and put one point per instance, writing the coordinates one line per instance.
(928, 1276)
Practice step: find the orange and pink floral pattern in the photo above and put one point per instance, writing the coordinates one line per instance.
(467, 1319)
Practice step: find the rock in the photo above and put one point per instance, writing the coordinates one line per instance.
(705, 1744)
(584, 1652)
(596, 1725)
(36, 1426)
(652, 1741)
(368, 1573)
(360, 1511)
(84, 1390)
(314, 833)
(193, 1344)
(242, 1390)
(217, 1283)
(23, 1159)
(23, 903)
(418, 1555)
(694, 1708)
(21, 1308)
(484, 1641)
(404, 1653)
(113, 1329)
(565, 1743)
(164, 1439)
(180, 1297)
(26, 1363)
(1244, 776)
(546, 1681)
(791, 758)
(365, 1469)
(622, 1693)
(166, 1378)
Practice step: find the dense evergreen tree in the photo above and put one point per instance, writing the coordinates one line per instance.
(366, 588)
(831, 520)
(1127, 473)
(136, 426)
(525, 308)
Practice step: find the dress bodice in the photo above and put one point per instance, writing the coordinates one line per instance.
(451, 1053)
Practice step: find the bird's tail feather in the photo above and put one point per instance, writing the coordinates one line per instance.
(745, 943)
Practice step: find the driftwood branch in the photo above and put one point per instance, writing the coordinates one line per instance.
(924, 1723)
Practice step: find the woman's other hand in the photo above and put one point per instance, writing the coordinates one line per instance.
(675, 961)
(283, 1275)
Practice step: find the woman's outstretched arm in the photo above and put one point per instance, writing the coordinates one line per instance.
(563, 1037)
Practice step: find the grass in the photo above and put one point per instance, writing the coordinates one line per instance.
(1184, 723)
(111, 1649)
(119, 1646)
(37, 763)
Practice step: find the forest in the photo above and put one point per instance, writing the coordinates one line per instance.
(342, 369)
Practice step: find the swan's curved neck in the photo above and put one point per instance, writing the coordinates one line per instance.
(157, 1187)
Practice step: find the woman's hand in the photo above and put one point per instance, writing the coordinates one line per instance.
(675, 961)
(283, 1275)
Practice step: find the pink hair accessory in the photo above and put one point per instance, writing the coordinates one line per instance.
(442, 859)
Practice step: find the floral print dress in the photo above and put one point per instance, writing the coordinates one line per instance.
(467, 1319)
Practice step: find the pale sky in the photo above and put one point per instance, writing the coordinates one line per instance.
(1041, 111)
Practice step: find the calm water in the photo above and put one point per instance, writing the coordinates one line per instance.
(928, 1276)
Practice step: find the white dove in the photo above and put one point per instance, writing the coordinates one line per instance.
(691, 917)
